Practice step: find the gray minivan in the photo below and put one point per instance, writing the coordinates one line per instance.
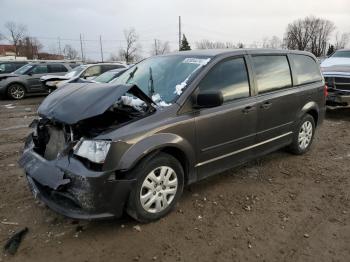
(169, 121)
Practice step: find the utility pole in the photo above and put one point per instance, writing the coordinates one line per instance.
(101, 49)
(81, 49)
(59, 46)
(179, 33)
(155, 47)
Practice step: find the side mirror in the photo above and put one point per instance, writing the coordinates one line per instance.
(86, 75)
(208, 99)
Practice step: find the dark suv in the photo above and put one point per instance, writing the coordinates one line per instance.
(165, 123)
(26, 79)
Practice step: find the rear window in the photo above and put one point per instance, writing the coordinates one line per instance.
(272, 73)
(306, 69)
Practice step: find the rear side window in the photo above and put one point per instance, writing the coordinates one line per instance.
(230, 77)
(57, 68)
(306, 69)
(39, 69)
(272, 73)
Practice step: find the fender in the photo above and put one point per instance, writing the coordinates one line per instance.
(123, 156)
(17, 82)
(310, 106)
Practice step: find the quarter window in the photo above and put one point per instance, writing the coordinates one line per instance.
(230, 77)
(306, 69)
(272, 73)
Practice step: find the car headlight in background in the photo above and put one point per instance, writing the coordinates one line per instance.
(94, 150)
(52, 83)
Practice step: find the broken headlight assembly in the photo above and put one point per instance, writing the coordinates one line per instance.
(93, 150)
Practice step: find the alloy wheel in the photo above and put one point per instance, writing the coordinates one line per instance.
(158, 189)
(17, 92)
(305, 135)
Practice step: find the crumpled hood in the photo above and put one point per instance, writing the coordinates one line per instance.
(78, 101)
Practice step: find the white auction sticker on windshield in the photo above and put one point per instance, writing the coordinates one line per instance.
(198, 61)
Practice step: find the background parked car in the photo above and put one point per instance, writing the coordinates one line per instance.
(7, 67)
(109, 75)
(87, 72)
(26, 80)
(336, 71)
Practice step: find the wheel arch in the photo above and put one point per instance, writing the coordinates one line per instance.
(148, 148)
(312, 109)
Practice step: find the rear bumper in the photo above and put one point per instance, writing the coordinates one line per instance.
(338, 97)
(66, 186)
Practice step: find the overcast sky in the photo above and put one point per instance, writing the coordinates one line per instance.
(217, 20)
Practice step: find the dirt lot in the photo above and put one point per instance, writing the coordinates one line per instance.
(278, 208)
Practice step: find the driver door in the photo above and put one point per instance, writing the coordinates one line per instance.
(38, 71)
(225, 133)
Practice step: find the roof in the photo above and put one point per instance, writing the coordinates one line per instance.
(219, 52)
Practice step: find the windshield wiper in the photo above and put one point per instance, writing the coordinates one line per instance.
(150, 83)
(131, 75)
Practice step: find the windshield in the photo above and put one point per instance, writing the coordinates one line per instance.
(342, 54)
(106, 77)
(163, 77)
(75, 71)
(24, 69)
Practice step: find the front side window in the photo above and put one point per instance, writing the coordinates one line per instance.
(230, 77)
(39, 69)
(272, 73)
(306, 69)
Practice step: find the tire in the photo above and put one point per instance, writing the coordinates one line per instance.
(152, 197)
(16, 91)
(303, 136)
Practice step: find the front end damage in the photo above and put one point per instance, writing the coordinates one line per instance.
(69, 183)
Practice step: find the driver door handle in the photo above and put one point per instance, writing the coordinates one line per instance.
(266, 105)
(247, 109)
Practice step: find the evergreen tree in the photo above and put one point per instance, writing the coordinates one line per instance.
(184, 44)
(330, 50)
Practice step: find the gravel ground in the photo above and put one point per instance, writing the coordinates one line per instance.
(278, 208)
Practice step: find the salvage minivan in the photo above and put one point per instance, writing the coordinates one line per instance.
(132, 145)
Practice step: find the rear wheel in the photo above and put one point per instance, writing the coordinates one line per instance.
(159, 185)
(304, 135)
(16, 91)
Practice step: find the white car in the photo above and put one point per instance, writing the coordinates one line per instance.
(336, 71)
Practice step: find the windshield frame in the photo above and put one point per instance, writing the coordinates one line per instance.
(19, 70)
(185, 83)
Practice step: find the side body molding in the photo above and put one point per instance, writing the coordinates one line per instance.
(125, 156)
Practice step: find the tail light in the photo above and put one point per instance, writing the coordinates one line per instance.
(325, 90)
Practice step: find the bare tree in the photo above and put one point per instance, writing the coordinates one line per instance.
(29, 47)
(129, 53)
(341, 40)
(310, 34)
(70, 53)
(274, 42)
(160, 48)
(16, 34)
(207, 44)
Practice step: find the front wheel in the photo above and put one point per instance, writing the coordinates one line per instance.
(303, 136)
(16, 91)
(160, 182)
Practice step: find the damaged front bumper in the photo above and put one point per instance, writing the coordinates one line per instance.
(69, 188)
